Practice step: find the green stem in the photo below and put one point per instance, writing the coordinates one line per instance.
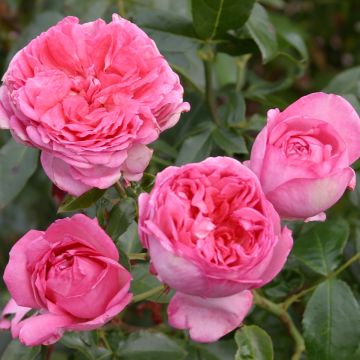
(138, 256)
(289, 301)
(103, 339)
(209, 94)
(283, 315)
(119, 188)
(241, 63)
(147, 294)
(121, 7)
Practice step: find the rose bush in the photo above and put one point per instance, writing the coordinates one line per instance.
(212, 236)
(70, 274)
(90, 96)
(302, 155)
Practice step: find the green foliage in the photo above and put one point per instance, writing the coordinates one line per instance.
(331, 322)
(17, 164)
(253, 344)
(320, 245)
(257, 55)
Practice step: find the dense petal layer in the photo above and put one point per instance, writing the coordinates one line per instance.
(208, 319)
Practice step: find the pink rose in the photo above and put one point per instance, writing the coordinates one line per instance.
(302, 155)
(212, 236)
(70, 274)
(90, 96)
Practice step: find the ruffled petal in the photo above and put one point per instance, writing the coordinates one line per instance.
(208, 319)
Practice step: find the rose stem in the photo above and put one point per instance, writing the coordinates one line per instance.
(283, 315)
(149, 293)
(289, 301)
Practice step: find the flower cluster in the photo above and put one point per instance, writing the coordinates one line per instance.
(91, 97)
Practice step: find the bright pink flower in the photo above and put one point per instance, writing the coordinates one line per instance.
(90, 96)
(71, 274)
(302, 155)
(212, 236)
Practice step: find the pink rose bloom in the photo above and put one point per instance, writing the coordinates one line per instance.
(90, 96)
(302, 155)
(212, 236)
(70, 274)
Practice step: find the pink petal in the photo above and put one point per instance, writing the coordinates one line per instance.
(43, 329)
(279, 256)
(16, 276)
(138, 159)
(85, 230)
(59, 173)
(5, 109)
(319, 217)
(12, 309)
(304, 198)
(336, 111)
(208, 319)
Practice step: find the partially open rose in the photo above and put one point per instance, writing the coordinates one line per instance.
(212, 236)
(302, 155)
(90, 96)
(70, 274)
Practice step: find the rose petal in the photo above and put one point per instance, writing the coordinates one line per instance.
(42, 329)
(208, 319)
(336, 111)
(60, 174)
(16, 275)
(304, 198)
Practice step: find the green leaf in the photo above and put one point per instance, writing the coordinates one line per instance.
(213, 18)
(83, 343)
(16, 351)
(144, 281)
(166, 22)
(72, 203)
(332, 322)
(151, 346)
(253, 344)
(120, 218)
(232, 112)
(320, 245)
(195, 148)
(17, 164)
(219, 350)
(229, 141)
(129, 241)
(263, 32)
(346, 82)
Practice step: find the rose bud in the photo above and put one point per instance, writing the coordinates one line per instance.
(302, 155)
(212, 236)
(70, 274)
(90, 97)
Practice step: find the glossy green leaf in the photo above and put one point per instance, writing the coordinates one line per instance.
(195, 148)
(144, 281)
(82, 342)
(166, 22)
(230, 142)
(253, 344)
(129, 241)
(72, 203)
(263, 32)
(219, 350)
(346, 82)
(320, 245)
(332, 322)
(120, 218)
(232, 111)
(151, 346)
(213, 18)
(16, 351)
(17, 164)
